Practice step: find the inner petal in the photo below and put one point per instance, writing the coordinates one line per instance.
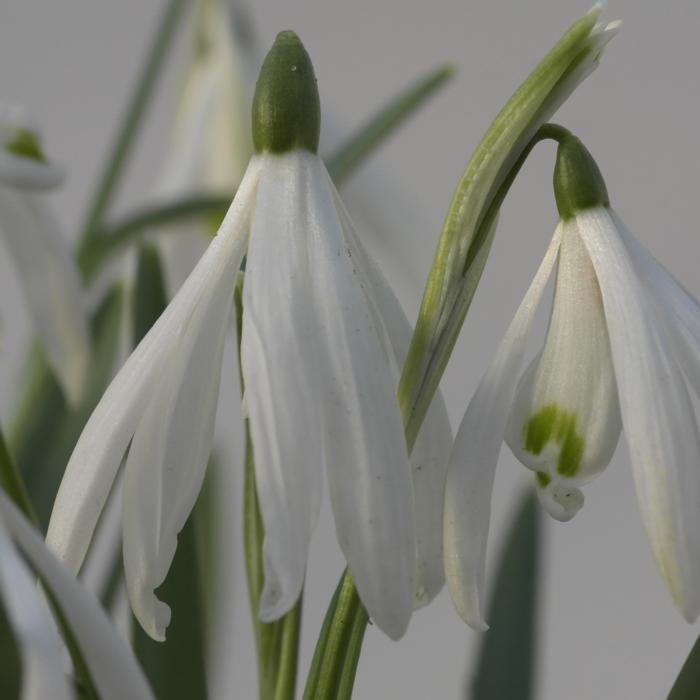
(565, 421)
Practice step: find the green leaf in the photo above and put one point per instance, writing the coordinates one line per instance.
(45, 429)
(370, 135)
(506, 662)
(175, 667)
(468, 229)
(687, 685)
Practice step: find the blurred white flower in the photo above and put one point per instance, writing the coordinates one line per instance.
(45, 268)
(623, 344)
(210, 143)
(110, 662)
(322, 342)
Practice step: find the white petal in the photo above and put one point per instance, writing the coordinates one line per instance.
(282, 377)
(111, 664)
(51, 283)
(475, 454)
(678, 309)
(169, 453)
(27, 174)
(431, 451)
(657, 414)
(562, 501)
(565, 420)
(368, 470)
(40, 648)
(96, 458)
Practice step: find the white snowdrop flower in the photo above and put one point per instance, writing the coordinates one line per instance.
(622, 352)
(322, 340)
(210, 143)
(45, 268)
(109, 661)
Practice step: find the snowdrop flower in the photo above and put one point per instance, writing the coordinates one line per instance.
(621, 351)
(45, 268)
(210, 144)
(321, 344)
(109, 661)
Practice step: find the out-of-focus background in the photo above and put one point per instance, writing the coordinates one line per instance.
(608, 627)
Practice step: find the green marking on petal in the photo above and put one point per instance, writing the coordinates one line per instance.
(26, 145)
(543, 479)
(553, 424)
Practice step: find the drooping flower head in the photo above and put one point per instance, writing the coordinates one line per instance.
(322, 341)
(621, 353)
(45, 269)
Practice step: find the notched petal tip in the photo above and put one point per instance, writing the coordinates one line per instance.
(153, 614)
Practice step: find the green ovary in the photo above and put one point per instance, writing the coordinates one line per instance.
(553, 424)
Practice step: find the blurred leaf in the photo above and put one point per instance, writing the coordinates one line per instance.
(10, 662)
(45, 428)
(687, 685)
(505, 669)
(175, 667)
(365, 140)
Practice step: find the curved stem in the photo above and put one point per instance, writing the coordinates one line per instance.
(94, 254)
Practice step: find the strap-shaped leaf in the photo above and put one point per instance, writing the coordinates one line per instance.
(506, 662)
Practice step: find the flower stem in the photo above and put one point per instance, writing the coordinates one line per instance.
(333, 668)
(140, 99)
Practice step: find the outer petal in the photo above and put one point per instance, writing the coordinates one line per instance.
(283, 381)
(96, 458)
(51, 284)
(431, 451)
(41, 650)
(169, 453)
(475, 454)
(678, 309)
(657, 414)
(368, 470)
(111, 664)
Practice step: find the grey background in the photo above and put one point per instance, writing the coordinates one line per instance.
(608, 628)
